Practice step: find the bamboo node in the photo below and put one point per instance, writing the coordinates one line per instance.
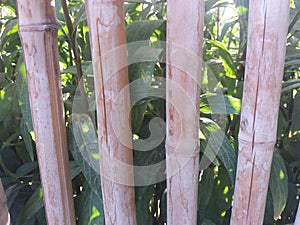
(266, 144)
(38, 27)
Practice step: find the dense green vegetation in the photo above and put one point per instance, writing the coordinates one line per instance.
(224, 55)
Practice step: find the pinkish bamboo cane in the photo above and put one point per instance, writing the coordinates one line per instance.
(268, 25)
(297, 220)
(184, 46)
(107, 33)
(4, 214)
(38, 32)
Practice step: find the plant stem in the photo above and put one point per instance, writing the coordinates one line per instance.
(72, 34)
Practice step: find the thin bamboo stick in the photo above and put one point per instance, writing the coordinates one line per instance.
(38, 32)
(4, 214)
(267, 33)
(184, 36)
(297, 220)
(107, 33)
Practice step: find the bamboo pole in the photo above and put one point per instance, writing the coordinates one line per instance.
(267, 33)
(4, 214)
(297, 220)
(38, 32)
(107, 34)
(184, 36)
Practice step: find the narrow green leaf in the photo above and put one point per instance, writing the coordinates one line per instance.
(137, 116)
(75, 169)
(290, 85)
(27, 139)
(90, 208)
(24, 99)
(226, 58)
(81, 16)
(142, 30)
(205, 191)
(41, 217)
(32, 206)
(218, 144)
(87, 68)
(278, 184)
(207, 222)
(143, 195)
(83, 145)
(219, 104)
(26, 168)
(142, 60)
(86, 138)
(10, 27)
(296, 112)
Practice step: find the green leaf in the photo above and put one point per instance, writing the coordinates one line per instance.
(86, 139)
(27, 139)
(41, 217)
(218, 144)
(226, 58)
(137, 116)
(24, 99)
(81, 16)
(26, 168)
(143, 195)
(87, 68)
(209, 4)
(219, 104)
(90, 208)
(205, 191)
(83, 145)
(269, 212)
(6, 96)
(296, 112)
(142, 30)
(221, 198)
(11, 27)
(32, 206)
(290, 85)
(142, 60)
(75, 169)
(207, 222)
(227, 26)
(278, 184)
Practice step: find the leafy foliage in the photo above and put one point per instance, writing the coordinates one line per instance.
(224, 56)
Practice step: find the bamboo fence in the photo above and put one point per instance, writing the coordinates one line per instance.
(107, 33)
(257, 137)
(182, 185)
(266, 47)
(38, 32)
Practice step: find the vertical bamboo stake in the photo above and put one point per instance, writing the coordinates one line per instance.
(185, 29)
(268, 25)
(4, 214)
(297, 220)
(107, 32)
(38, 32)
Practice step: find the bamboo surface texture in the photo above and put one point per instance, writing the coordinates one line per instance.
(297, 220)
(267, 34)
(38, 32)
(107, 33)
(184, 53)
(4, 214)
